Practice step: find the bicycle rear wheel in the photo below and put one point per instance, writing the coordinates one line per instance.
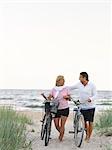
(48, 130)
(79, 130)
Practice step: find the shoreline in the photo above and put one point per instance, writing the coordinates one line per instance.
(24, 109)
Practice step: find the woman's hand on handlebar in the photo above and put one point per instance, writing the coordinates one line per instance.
(50, 97)
(67, 97)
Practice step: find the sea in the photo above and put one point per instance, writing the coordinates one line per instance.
(31, 99)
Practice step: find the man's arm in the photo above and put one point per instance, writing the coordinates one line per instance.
(94, 94)
(73, 87)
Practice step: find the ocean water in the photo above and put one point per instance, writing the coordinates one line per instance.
(32, 100)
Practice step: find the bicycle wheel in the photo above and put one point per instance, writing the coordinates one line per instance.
(48, 130)
(79, 130)
(43, 128)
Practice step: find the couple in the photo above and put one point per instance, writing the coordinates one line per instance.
(87, 95)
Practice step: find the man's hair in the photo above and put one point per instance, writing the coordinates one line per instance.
(84, 74)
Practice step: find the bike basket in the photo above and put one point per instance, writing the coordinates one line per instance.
(47, 106)
(54, 107)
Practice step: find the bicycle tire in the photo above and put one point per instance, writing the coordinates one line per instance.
(48, 130)
(79, 130)
(42, 132)
(43, 128)
(74, 123)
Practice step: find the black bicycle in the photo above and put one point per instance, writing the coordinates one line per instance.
(78, 124)
(50, 110)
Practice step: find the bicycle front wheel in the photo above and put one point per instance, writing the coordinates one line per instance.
(79, 130)
(43, 128)
(42, 132)
(48, 130)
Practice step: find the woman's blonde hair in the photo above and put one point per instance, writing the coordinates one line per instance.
(59, 78)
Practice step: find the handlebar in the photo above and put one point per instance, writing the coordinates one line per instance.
(75, 102)
(46, 99)
(71, 99)
(44, 96)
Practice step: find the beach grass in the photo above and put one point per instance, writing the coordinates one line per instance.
(104, 123)
(109, 147)
(13, 130)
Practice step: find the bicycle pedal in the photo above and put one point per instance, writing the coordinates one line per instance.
(71, 132)
(79, 130)
(41, 121)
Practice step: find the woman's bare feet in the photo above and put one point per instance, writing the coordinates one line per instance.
(87, 139)
(60, 137)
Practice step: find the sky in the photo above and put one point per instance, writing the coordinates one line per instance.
(42, 39)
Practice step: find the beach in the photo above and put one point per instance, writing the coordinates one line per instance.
(30, 103)
(97, 142)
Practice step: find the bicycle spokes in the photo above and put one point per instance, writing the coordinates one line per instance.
(79, 131)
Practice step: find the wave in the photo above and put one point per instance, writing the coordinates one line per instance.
(31, 99)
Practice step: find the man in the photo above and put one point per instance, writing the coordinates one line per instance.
(87, 95)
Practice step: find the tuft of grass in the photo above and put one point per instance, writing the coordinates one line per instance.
(104, 123)
(13, 130)
(108, 147)
(24, 119)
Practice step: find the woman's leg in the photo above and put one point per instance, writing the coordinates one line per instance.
(62, 127)
(57, 123)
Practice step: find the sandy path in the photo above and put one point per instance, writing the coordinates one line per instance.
(96, 143)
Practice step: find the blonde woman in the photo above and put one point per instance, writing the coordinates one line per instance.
(61, 94)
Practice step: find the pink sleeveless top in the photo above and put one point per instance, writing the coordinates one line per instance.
(63, 103)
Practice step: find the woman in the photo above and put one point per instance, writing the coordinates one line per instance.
(61, 94)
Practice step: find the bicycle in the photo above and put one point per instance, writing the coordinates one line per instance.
(50, 110)
(78, 124)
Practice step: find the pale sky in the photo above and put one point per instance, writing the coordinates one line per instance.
(42, 39)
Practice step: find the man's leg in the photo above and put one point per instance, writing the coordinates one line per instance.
(87, 129)
(90, 128)
(85, 114)
(92, 111)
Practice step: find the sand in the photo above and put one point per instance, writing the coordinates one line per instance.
(96, 143)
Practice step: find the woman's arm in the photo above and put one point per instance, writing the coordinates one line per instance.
(50, 97)
(67, 97)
